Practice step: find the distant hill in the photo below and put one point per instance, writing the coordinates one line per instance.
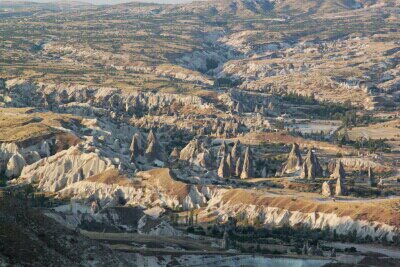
(237, 8)
(56, 6)
(244, 8)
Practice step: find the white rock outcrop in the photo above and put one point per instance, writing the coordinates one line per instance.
(149, 225)
(7, 150)
(326, 190)
(273, 216)
(64, 168)
(194, 199)
(15, 166)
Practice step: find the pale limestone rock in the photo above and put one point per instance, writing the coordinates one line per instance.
(223, 170)
(238, 167)
(196, 153)
(340, 175)
(294, 161)
(134, 149)
(204, 159)
(196, 196)
(7, 150)
(187, 203)
(151, 137)
(247, 169)
(223, 150)
(68, 166)
(148, 225)
(339, 172)
(154, 150)
(31, 157)
(236, 151)
(15, 166)
(341, 187)
(326, 189)
(190, 151)
(304, 171)
(311, 167)
(45, 149)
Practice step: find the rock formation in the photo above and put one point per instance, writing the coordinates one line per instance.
(238, 167)
(31, 157)
(204, 159)
(311, 167)
(239, 108)
(326, 189)
(326, 172)
(64, 168)
(304, 171)
(223, 150)
(341, 187)
(190, 151)
(45, 149)
(229, 162)
(134, 148)
(149, 225)
(153, 150)
(371, 177)
(196, 153)
(195, 199)
(174, 156)
(224, 170)
(94, 207)
(247, 169)
(340, 175)
(294, 161)
(264, 172)
(15, 166)
(151, 137)
(236, 151)
(339, 172)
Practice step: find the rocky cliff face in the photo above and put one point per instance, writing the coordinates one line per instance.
(275, 217)
(222, 203)
(236, 203)
(15, 156)
(81, 100)
(64, 168)
(153, 188)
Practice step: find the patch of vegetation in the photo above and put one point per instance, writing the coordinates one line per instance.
(227, 82)
(289, 235)
(298, 99)
(211, 64)
(372, 145)
(321, 109)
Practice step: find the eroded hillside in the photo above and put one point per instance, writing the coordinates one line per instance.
(206, 130)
